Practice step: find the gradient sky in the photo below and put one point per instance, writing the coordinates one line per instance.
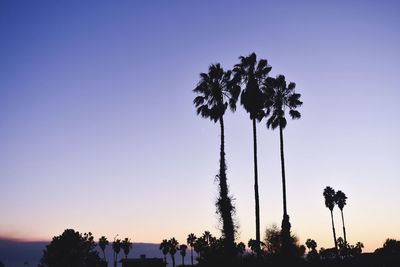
(98, 131)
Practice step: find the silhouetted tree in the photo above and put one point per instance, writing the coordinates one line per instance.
(191, 239)
(71, 249)
(340, 200)
(281, 97)
(252, 73)
(311, 244)
(103, 243)
(172, 244)
(164, 247)
(217, 90)
(200, 246)
(126, 246)
(116, 246)
(182, 251)
(254, 246)
(329, 195)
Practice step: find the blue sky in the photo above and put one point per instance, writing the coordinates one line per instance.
(98, 131)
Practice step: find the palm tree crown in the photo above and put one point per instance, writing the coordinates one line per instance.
(279, 97)
(218, 89)
(329, 195)
(252, 74)
(340, 199)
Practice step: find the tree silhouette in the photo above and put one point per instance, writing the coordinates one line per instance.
(281, 97)
(116, 246)
(217, 90)
(71, 249)
(252, 74)
(164, 247)
(126, 246)
(191, 239)
(103, 243)
(182, 251)
(340, 200)
(311, 244)
(329, 195)
(172, 244)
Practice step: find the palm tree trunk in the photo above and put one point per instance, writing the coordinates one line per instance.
(191, 254)
(333, 229)
(183, 260)
(173, 260)
(224, 203)
(285, 221)
(257, 203)
(344, 229)
(283, 171)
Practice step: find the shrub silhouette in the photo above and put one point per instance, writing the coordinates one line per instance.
(71, 249)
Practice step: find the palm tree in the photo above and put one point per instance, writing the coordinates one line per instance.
(252, 75)
(311, 244)
(340, 200)
(329, 195)
(164, 247)
(281, 97)
(217, 90)
(172, 244)
(126, 246)
(103, 243)
(182, 251)
(191, 239)
(116, 246)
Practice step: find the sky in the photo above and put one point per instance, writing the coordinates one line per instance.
(98, 131)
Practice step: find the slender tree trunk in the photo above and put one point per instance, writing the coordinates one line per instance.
(344, 229)
(104, 255)
(183, 260)
(173, 260)
(333, 229)
(224, 203)
(256, 196)
(283, 171)
(191, 254)
(285, 221)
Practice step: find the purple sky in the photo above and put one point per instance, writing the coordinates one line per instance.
(98, 131)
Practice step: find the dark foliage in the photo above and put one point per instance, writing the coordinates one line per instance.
(71, 249)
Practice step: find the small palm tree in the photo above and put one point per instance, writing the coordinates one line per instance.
(173, 243)
(311, 244)
(182, 251)
(103, 243)
(116, 246)
(252, 74)
(340, 200)
(329, 195)
(281, 97)
(126, 246)
(217, 90)
(164, 247)
(191, 239)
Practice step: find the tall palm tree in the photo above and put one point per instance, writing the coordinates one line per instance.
(116, 246)
(252, 74)
(217, 90)
(164, 247)
(281, 97)
(340, 200)
(182, 251)
(172, 244)
(191, 239)
(103, 243)
(126, 246)
(329, 195)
